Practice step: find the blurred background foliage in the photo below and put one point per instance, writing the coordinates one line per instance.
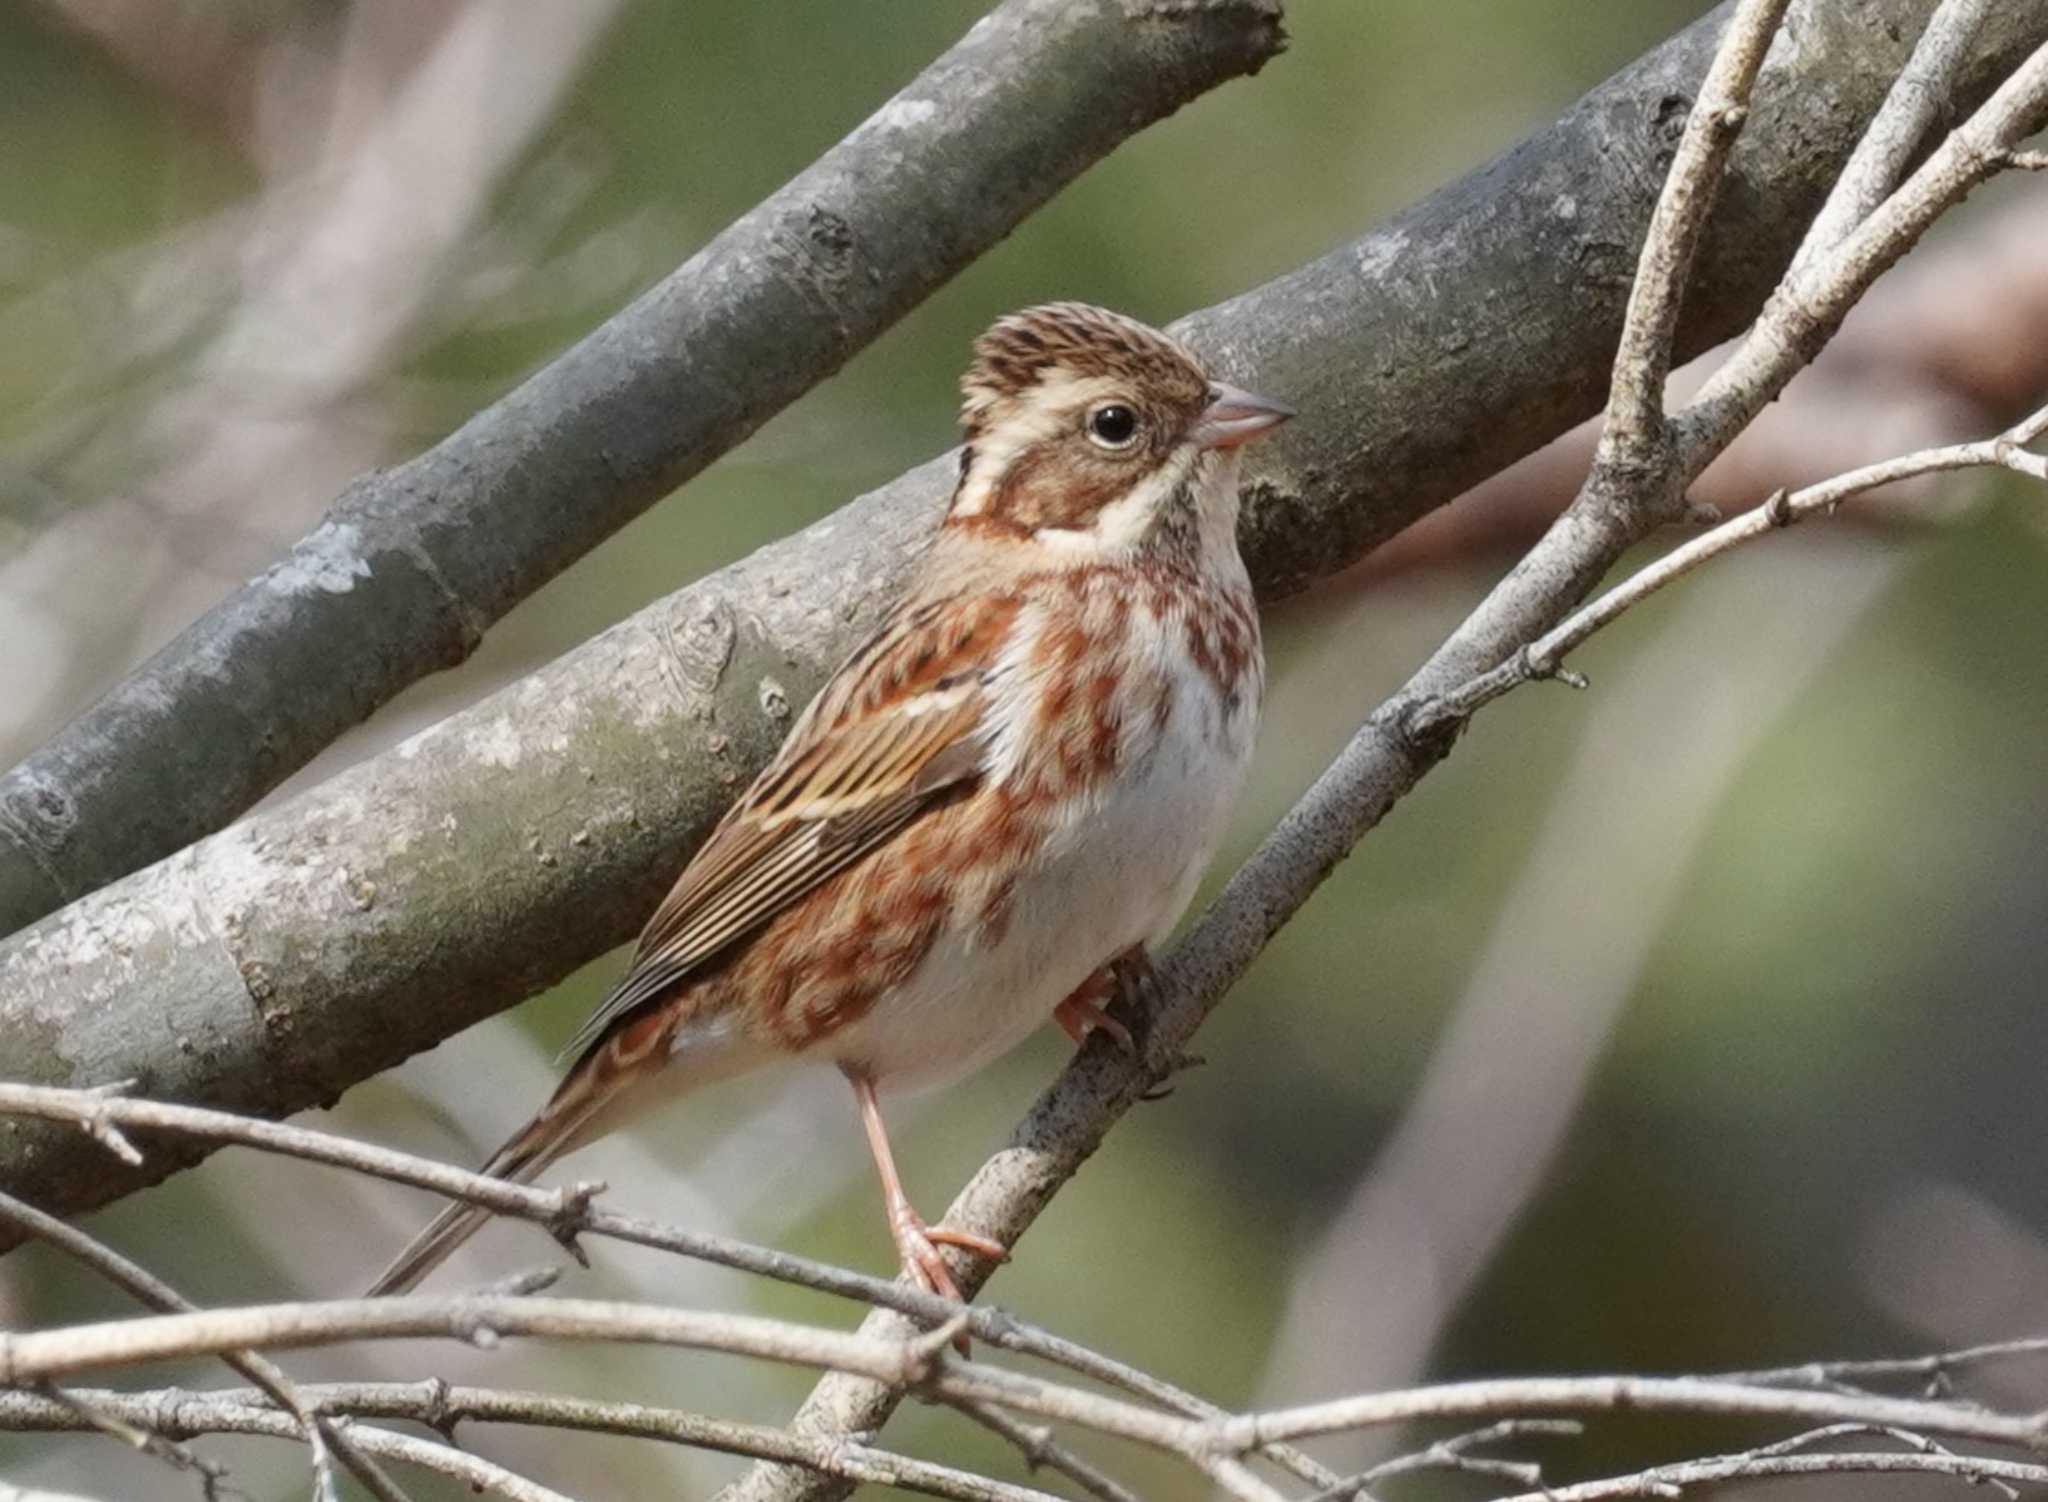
(1693, 1022)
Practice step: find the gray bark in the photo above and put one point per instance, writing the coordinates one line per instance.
(412, 564)
(273, 965)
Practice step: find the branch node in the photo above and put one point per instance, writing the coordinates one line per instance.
(571, 1214)
(924, 1355)
(1162, 1084)
(435, 1411)
(1778, 508)
(523, 1284)
(103, 1131)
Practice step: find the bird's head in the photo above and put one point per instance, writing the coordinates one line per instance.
(1087, 431)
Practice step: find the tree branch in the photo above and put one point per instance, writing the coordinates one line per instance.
(413, 564)
(309, 946)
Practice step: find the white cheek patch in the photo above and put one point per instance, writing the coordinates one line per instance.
(1124, 523)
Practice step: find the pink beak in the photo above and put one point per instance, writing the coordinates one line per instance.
(1235, 416)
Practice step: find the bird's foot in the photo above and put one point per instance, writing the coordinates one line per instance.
(917, 1244)
(1081, 1014)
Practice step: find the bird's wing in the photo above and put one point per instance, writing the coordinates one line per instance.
(885, 740)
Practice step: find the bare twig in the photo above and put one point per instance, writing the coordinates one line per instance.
(1454, 1454)
(44, 1355)
(1544, 657)
(441, 1407)
(1934, 1369)
(1923, 91)
(1036, 1444)
(1635, 403)
(922, 1362)
(213, 1477)
(166, 1412)
(1542, 1396)
(1810, 304)
(1672, 1480)
(323, 1440)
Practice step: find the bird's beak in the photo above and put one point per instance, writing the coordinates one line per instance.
(1234, 416)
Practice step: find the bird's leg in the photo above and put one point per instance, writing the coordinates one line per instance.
(1082, 1012)
(915, 1241)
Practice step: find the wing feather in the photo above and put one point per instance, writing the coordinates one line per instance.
(839, 788)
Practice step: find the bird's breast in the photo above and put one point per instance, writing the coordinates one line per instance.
(1121, 729)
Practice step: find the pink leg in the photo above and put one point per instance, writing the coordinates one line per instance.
(914, 1239)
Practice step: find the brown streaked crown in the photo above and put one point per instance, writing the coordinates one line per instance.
(1075, 338)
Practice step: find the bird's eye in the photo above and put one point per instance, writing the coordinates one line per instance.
(1112, 425)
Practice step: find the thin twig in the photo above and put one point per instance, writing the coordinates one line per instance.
(1672, 1480)
(325, 1443)
(1642, 363)
(1811, 302)
(1454, 1453)
(441, 1406)
(167, 1410)
(1544, 658)
(1934, 1367)
(1530, 1396)
(213, 1476)
(1919, 96)
(1919, 1443)
(42, 1355)
(1036, 1444)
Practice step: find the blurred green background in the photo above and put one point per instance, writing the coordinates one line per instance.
(1690, 1023)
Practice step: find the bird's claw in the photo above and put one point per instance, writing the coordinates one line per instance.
(917, 1244)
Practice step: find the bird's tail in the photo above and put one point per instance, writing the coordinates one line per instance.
(528, 1151)
(576, 1115)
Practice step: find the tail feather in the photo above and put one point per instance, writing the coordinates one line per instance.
(532, 1148)
(602, 1090)
(560, 1128)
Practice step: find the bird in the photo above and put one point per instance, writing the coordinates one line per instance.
(997, 803)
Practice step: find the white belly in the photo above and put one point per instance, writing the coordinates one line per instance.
(1119, 873)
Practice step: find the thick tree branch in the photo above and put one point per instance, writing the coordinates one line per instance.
(275, 964)
(413, 563)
